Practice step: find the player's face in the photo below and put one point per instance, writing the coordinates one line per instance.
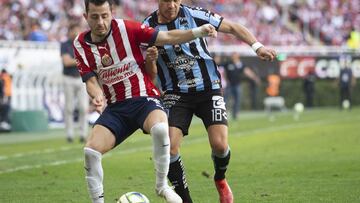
(99, 19)
(168, 9)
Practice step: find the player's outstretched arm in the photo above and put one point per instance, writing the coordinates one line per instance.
(95, 92)
(182, 36)
(245, 35)
(150, 62)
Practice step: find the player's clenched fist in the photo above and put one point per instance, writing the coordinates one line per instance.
(151, 53)
(204, 31)
(265, 53)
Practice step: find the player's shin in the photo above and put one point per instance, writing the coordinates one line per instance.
(94, 174)
(161, 152)
(177, 178)
(221, 161)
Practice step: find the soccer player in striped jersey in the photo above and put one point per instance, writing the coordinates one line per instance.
(111, 63)
(191, 84)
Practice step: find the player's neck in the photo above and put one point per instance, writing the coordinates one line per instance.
(98, 38)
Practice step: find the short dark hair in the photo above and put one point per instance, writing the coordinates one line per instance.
(97, 3)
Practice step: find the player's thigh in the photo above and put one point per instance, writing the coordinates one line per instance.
(218, 137)
(101, 139)
(212, 112)
(180, 109)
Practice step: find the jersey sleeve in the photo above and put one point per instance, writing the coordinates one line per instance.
(203, 16)
(146, 21)
(81, 63)
(144, 34)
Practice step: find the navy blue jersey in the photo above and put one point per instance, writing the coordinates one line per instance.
(345, 77)
(67, 48)
(234, 72)
(187, 67)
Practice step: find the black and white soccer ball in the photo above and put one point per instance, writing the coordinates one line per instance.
(133, 197)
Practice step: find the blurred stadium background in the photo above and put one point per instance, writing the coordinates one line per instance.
(309, 36)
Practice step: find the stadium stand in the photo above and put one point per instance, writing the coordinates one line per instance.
(274, 22)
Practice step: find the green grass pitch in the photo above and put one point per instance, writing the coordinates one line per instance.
(313, 159)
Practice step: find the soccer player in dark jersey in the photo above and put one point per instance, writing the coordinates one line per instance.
(346, 81)
(73, 87)
(111, 63)
(191, 84)
(235, 69)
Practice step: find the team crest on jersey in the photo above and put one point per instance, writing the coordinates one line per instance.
(183, 21)
(106, 60)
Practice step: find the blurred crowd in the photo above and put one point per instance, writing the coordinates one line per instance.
(275, 22)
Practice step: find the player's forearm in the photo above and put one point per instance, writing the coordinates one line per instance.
(239, 31)
(181, 36)
(93, 88)
(174, 37)
(243, 34)
(151, 69)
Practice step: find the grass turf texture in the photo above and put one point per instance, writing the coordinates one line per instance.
(313, 159)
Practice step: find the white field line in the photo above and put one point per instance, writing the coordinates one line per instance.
(45, 151)
(134, 150)
(62, 162)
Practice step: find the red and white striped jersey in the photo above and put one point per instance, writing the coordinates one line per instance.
(117, 61)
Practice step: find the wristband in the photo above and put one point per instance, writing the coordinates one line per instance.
(256, 46)
(197, 32)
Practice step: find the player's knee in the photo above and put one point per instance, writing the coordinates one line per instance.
(174, 150)
(160, 130)
(92, 144)
(220, 148)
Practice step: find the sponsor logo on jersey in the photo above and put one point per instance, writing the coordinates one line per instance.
(190, 82)
(183, 62)
(114, 74)
(170, 100)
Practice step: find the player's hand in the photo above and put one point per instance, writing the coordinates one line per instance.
(152, 54)
(266, 54)
(99, 103)
(208, 30)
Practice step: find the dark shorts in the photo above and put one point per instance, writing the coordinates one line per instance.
(125, 117)
(208, 106)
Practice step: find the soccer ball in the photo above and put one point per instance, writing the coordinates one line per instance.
(133, 197)
(299, 107)
(346, 104)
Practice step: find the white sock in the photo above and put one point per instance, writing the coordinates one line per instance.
(161, 152)
(94, 175)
